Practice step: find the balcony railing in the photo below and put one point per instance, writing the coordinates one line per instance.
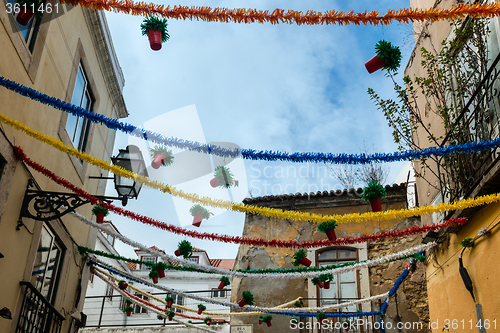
(37, 314)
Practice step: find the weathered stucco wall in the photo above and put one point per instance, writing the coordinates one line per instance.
(272, 293)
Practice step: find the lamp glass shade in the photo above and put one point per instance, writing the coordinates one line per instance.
(130, 159)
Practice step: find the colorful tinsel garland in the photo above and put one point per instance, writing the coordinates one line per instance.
(251, 154)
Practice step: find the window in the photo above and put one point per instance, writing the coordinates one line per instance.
(46, 267)
(148, 259)
(194, 259)
(111, 240)
(3, 163)
(140, 309)
(29, 31)
(218, 293)
(109, 293)
(344, 287)
(178, 299)
(78, 127)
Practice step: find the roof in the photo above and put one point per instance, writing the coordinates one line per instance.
(223, 263)
(132, 265)
(195, 249)
(154, 248)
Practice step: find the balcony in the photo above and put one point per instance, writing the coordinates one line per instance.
(37, 314)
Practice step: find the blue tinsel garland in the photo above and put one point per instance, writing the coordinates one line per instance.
(249, 154)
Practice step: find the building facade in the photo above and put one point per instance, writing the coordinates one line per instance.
(353, 285)
(67, 54)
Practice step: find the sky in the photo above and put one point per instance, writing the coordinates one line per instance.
(261, 86)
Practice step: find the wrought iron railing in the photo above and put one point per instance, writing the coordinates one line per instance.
(37, 314)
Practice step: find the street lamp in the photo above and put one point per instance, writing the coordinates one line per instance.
(130, 159)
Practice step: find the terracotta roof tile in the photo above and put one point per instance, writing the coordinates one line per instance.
(132, 265)
(223, 263)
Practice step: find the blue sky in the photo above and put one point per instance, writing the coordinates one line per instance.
(261, 86)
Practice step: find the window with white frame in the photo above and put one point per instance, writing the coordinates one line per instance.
(152, 260)
(109, 293)
(140, 309)
(216, 292)
(29, 31)
(78, 127)
(178, 299)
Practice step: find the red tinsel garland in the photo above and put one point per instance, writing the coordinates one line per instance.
(19, 153)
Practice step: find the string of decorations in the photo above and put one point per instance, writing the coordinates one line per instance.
(277, 310)
(232, 239)
(250, 154)
(277, 16)
(139, 302)
(83, 250)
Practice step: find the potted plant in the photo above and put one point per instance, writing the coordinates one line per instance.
(300, 258)
(157, 32)
(160, 317)
(329, 229)
(326, 278)
(160, 268)
(260, 319)
(201, 308)
(170, 301)
(320, 317)
(170, 315)
(467, 242)
(28, 9)
(161, 156)
(298, 304)
(185, 249)
(246, 298)
(153, 275)
(99, 213)
(374, 193)
(128, 310)
(122, 285)
(207, 320)
(222, 177)
(387, 57)
(199, 214)
(128, 302)
(224, 281)
(317, 282)
(293, 323)
(267, 320)
(346, 324)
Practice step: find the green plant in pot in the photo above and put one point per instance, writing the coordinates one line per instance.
(100, 213)
(201, 308)
(29, 9)
(320, 317)
(267, 319)
(329, 229)
(387, 57)
(207, 321)
(199, 214)
(222, 177)
(184, 249)
(374, 193)
(299, 257)
(170, 315)
(246, 298)
(224, 281)
(317, 282)
(261, 318)
(156, 30)
(160, 268)
(467, 242)
(153, 275)
(161, 156)
(169, 300)
(326, 279)
(128, 310)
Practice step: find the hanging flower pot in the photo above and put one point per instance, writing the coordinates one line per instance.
(299, 258)
(128, 310)
(346, 324)
(317, 282)
(128, 303)
(156, 30)
(170, 301)
(293, 323)
(321, 284)
(224, 281)
(100, 213)
(161, 155)
(267, 320)
(321, 317)
(298, 304)
(153, 275)
(246, 298)
(222, 177)
(25, 15)
(185, 249)
(201, 308)
(207, 321)
(329, 229)
(374, 192)
(387, 57)
(199, 214)
(261, 318)
(26, 11)
(170, 315)
(325, 280)
(327, 285)
(122, 285)
(160, 269)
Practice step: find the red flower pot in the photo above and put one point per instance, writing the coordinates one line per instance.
(200, 310)
(123, 285)
(208, 322)
(213, 182)
(169, 304)
(128, 304)
(177, 253)
(376, 205)
(197, 219)
(154, 40)
(25, 15)
(161, 273)
(159, 158)
(321, 284)
(169, 318)
(260, 321)
(306, 262)
(99, 217)
(269, 323)
(155, 279)
(222, 285)
(331, 234)
(374, 64)
(327, 285)
(242, 303)
(129, 313)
